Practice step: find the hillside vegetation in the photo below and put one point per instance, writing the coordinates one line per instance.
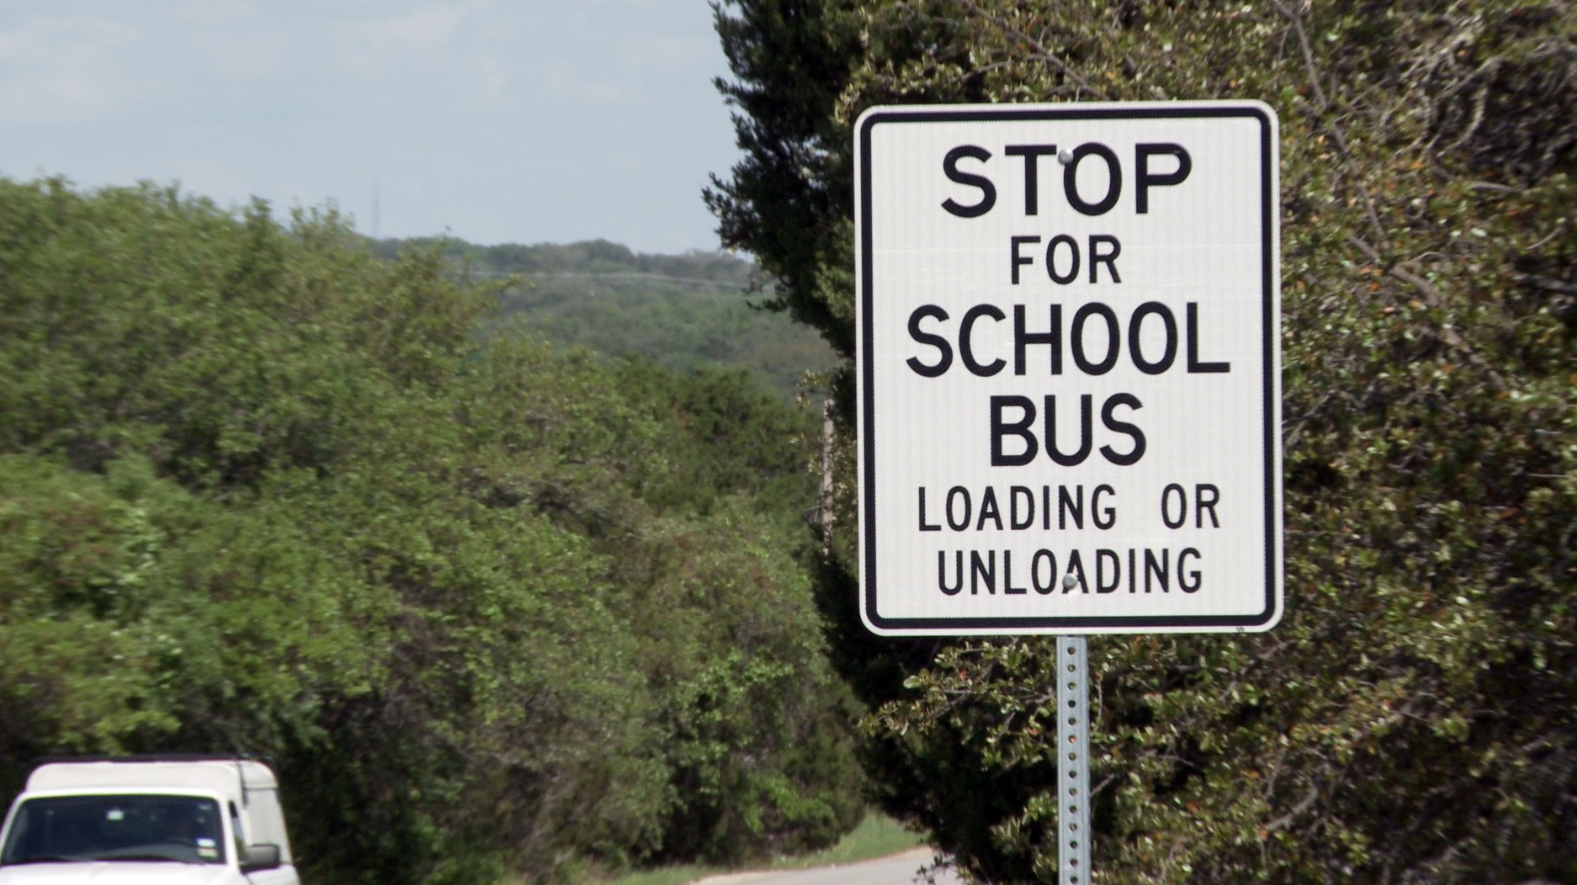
(490, 607)
(681, 311)
(1414, 717)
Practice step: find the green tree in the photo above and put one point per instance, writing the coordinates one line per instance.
(263, 492)
(789, 199)
(1410, 720)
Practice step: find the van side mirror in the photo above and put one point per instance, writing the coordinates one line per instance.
(260, 857)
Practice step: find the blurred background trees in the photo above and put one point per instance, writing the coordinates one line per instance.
(680, 311)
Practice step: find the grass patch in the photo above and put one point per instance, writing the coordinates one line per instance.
(877, 836)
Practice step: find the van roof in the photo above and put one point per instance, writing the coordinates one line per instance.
(224, 776)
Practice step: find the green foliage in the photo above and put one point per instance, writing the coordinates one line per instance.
(1411, 718)
(759, 725)
(132, 609)
(490, 607)
(680, 311)
(73, 586)
(587, 258)
(728, 436)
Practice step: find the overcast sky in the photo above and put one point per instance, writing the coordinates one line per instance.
(494, 120)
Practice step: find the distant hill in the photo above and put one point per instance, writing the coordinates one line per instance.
(683, 311)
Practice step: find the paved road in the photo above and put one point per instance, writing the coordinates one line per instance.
(900, 869)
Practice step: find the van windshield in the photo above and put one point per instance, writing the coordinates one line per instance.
(183, 829)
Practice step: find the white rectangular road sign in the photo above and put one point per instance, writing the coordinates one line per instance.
(1069, 368)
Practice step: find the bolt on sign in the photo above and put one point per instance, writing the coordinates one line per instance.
(1069, 368)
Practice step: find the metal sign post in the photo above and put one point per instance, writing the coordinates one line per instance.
(1073, 758)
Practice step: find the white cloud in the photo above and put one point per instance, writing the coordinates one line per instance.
(568, 81)
(664, 50)
(376, 47)
(215, 12)
(495, 80)
(422, 30)
(62, 70)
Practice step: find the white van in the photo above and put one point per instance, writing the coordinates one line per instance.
(195, 820)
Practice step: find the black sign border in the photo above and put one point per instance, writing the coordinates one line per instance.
(1269, 203)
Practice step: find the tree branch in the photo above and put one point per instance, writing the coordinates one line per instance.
(1040, 48)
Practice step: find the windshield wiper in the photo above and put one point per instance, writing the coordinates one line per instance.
(42, 858)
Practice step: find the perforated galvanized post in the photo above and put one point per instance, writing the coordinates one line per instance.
(1073, 760)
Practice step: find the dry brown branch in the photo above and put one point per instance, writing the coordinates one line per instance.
(1303, 805)
(1430, 296)
(1040, 49)
(1295, 21)
(1546, 283)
